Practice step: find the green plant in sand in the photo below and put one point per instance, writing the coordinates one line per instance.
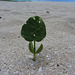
(34, 31)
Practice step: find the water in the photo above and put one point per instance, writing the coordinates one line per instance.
(57, 0)
(47, 0)
(61, 0)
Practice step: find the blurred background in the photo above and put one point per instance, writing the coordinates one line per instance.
(43, 0)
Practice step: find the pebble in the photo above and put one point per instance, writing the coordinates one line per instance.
(56, 49)
(57, 64)
(22, 48)
(55, 52)
(11, 66)
(7, 72)
(3, 37)
(69, 66)
(47, 12)
(40, 69)
(4, 65)
(16, 73)
(51, 64)
(47, 56)
(0, 17)
(31, 64)
(0, 69)
(30, 56)
(19, 62)
(37, 54)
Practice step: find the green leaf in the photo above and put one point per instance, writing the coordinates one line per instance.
(39, 49)
(34, 29)
(31, 47)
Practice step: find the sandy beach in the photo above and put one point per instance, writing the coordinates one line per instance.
(58, 55)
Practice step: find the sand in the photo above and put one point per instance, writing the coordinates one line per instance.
(58, 55)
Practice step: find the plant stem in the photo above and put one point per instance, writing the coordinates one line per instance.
(34, 51)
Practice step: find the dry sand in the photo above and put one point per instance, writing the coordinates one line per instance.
(58, 55)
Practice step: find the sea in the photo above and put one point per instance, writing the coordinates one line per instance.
(48, 0)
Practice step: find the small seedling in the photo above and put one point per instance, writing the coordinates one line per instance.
(34, 30)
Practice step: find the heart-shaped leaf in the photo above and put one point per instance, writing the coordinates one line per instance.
(34, 29)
